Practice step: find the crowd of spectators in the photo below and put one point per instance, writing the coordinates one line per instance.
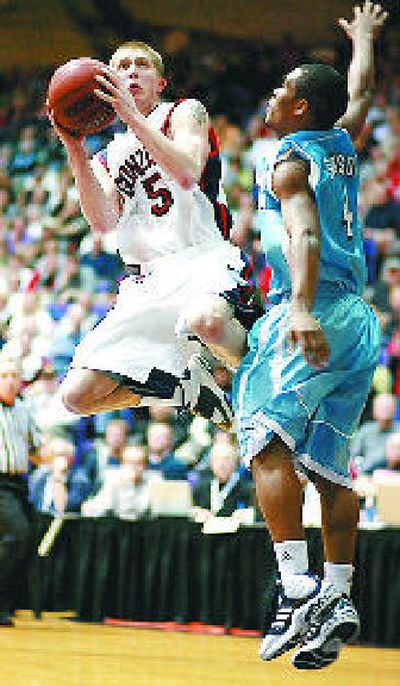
(57, 281)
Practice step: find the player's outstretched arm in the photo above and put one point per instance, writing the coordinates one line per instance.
(362, 31)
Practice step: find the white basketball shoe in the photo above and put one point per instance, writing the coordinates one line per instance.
(325, 639)
(294, 616)
(204, 397)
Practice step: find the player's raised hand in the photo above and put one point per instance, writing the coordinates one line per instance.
(115, 89)
(367, 19)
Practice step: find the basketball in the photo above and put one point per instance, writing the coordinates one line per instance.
(71, 97)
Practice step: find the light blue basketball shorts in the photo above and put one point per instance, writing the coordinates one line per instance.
(314, 411)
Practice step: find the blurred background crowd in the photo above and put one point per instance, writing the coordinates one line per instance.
(57, 281)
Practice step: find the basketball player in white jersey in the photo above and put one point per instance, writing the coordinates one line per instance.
(157, 185)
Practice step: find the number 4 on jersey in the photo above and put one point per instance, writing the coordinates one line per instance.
(347, 214)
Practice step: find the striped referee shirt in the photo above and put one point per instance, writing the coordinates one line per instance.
(19, 435)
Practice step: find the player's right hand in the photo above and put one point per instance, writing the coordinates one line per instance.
(66, 138)
(306, 331)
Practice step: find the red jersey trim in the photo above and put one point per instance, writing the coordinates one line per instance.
(168, 117)
(103, 160)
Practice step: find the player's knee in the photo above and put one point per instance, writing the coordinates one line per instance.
(74, 400)
(209, 327)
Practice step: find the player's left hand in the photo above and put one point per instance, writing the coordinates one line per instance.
(368, 19)
(115, 90)
(305, 330)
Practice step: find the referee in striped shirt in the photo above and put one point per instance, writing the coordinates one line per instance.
(19, 440)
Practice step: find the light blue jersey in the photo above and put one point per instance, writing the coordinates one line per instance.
(275, 392)
(333, 176)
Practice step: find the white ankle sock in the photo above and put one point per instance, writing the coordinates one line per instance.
(292, 558)
(340, 575)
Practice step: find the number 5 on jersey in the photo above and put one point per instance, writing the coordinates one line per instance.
(163, 194)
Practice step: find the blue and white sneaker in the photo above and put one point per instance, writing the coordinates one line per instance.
(206, 398)
(293, 618)
(325, 639)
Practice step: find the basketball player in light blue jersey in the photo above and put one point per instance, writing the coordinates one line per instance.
(301, 387)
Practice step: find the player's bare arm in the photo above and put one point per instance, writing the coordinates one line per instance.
(362, 30)
(189, 131)
(97, 194)
(300, 215)
(184, 152)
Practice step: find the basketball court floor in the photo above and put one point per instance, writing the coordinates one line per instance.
(57, 652)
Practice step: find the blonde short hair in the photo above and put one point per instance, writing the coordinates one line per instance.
(156, 59)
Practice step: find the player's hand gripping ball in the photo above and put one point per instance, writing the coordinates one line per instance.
(72, 101)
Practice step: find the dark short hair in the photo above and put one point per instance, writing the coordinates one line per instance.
(325, 91)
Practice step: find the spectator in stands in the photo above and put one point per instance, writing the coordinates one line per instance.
(3, 249)
(61, 486)
(368, 447)
(66, 337)
(47, 267)
(180, 422)
(23, 347)
(380, 298)
(221, 490)
(124, 492)
(160, 443)
(73, 279)
(390, 320)
(393, 452)
(194, 448)
(45, 405)
(383, 213)
(392, 350)
(25, 154)
(107, 453)
(3, 314)
(204, 440)
(105, 265)
(388, 468)
(388, 133)
(381, 217)
(30, 313)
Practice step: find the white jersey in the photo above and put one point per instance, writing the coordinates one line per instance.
(178, 237)
(159, 218)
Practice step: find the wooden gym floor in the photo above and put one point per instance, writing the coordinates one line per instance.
(57, 652)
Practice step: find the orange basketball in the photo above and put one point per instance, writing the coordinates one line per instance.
(71, 97)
